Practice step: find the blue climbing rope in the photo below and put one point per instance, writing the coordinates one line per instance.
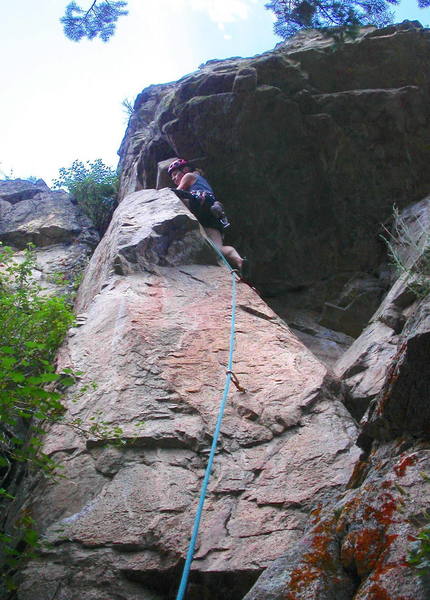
(191, 547)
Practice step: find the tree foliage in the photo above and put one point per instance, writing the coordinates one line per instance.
(94, 186)
(98, 21)
(410, 253)
(33, 327)
(293, 15)
(419, 553)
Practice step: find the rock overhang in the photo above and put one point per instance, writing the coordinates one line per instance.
(308, 148)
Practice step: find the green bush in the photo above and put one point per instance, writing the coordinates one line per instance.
(32, 328)
(419, 554)
(94, 186)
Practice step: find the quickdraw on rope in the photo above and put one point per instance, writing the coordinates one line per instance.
(229, 376)
(236, 382)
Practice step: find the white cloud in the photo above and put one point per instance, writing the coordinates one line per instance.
(223, 11)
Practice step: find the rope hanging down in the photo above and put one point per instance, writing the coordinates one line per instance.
(229, 373)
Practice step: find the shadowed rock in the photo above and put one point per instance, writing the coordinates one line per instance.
(61, 235)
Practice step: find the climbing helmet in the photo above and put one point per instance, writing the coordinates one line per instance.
(179, 163)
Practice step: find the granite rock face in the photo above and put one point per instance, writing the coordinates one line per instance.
(153, 334)
(16, 190)
(62, 239)
(357, 549)
(62, 236)
(308, 147)
(44, 219)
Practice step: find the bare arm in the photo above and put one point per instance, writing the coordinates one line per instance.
(187, 181)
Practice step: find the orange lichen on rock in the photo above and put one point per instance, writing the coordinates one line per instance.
(320, 556)
(315, 514)
(316, 563)
(362, 549)
(366, 547)
(300, 578)
(377, 592)
(347, 513)
(383, 515)
(401, 466)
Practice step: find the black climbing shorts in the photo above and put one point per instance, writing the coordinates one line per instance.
(200, 204)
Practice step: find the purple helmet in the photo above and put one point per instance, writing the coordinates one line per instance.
(179, 163)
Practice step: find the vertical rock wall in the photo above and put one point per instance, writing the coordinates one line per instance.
(62, 240)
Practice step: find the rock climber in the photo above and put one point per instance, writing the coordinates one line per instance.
(197, 195)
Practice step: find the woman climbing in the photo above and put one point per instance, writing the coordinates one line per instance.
(196, 193)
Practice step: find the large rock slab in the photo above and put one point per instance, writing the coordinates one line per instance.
(364, 365)
(153, 336)
(401, 407)
(61, 236)
(16, 190)
(46, 218)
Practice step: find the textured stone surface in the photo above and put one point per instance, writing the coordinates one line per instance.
(16, 190)
(154, 338)
(345, 134)
(62, 236)
(308, 148)
(357, 549)
(364, 365)
(401, 407)
(46, 218)
(145, 233)
(31, 212)
(326, 344)
(360, 296)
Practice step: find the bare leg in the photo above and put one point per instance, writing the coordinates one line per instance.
(229, 252)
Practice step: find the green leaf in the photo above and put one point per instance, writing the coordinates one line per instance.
(7, 350)
(17, 377)
(5, 494)
(31, 537)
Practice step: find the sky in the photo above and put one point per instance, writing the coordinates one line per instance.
(61, 100)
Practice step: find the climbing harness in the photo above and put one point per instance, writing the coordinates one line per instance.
(230, 376)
